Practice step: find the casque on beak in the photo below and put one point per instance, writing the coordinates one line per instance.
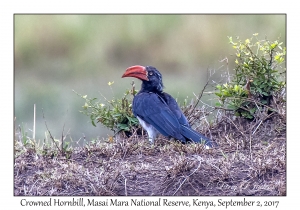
(137, 71)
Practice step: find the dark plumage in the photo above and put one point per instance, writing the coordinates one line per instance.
(157, 111)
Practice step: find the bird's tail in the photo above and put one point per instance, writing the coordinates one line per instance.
(194, 136)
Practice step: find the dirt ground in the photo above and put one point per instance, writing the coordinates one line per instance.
(250, 160)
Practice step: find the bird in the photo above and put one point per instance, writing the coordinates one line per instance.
(157, 111)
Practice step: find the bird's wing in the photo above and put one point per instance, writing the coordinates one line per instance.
(151, 108)
(173, 106)
(193, 135)
(185, 128)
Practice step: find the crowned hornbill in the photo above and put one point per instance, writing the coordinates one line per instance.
(158, 111)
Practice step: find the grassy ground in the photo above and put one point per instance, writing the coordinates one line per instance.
(250, 160)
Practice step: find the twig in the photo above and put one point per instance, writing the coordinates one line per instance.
(262, 121)
(186, 178)
(198, 98)
(235, 126)
(50, 133)
(257, 127)
(33, 185)
(226, 59)
(250, 136)
(216, 168)
(135, 130)
(62, 140)
(25, 191)
(133, 88)
(33, 135)
(250, 100)
(125, 185)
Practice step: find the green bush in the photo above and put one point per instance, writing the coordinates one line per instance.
(116, 114)
(257, 76)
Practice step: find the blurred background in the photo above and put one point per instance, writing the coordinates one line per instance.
(56, 54)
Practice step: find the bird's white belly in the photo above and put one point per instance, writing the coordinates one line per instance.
(152, 132)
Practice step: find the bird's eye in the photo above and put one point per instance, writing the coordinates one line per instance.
(150, 73)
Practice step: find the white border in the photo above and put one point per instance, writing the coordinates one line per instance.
(8, 8)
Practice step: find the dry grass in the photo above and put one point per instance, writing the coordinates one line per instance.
(250, 160)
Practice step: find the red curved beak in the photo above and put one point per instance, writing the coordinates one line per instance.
(137, 72)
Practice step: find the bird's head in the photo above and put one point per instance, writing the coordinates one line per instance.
(151, 77)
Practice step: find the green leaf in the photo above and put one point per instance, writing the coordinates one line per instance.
(237, 114)
(264, 101)
(218, 104)
(236, 88)
(218, 94)
(252, 111)
(265, 94)
(123, 127)
(230, 106)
